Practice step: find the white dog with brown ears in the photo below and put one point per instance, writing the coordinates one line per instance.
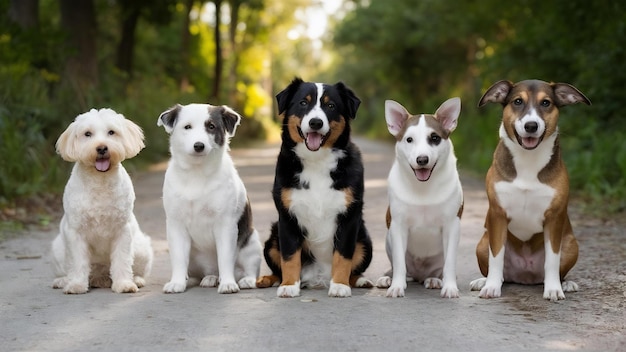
(100, 243)
(425, 200)
(528, 236)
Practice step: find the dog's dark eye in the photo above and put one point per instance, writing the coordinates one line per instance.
(545, 103)
(187, 127)
(211, 126)
(331, 106)
(518, 101)
(409, 140)
(87, 134)
(304, 103)
(111, 132)
(435, 139)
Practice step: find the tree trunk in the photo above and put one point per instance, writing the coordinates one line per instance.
(126, 47)
(25, 13)
(185, 47)
(219, 60)
(78, 20)
(235, 5)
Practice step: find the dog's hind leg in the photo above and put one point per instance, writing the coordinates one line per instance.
(249, 262)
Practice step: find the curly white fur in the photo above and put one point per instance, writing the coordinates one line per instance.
(100, 243)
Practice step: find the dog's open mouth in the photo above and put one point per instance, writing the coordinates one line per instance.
(423, 174)
(530, 142)
(103, 163)
(314, 141)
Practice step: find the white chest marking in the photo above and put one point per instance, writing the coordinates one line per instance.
(317, 204)
(526, 199)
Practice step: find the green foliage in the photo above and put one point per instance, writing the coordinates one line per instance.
(422, 52)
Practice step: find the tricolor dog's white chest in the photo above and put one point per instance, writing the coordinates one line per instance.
(526, 199)
(316, 203)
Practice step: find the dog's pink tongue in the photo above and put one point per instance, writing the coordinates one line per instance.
(422, 174)
(103, 164)
(530, 142)
(313, 141)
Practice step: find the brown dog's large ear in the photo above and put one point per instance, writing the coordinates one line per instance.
(497, 93)
(284, 97)
(567, 94)
(350, 101)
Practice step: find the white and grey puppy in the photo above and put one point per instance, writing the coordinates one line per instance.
(425, 200)
(100, 243)
(208, 215)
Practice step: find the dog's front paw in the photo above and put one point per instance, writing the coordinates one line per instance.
(490, 291)
(210, 281)
(433, 282)
(75, 288)
(124, 287)
(175, 287)
(59, 282)
(478, 284)
(228, 287)
(569, 286)
(363, 283)
(339, 290)
(267, 281)
(553, 293)
(288, 291)
(247, 282)
(383, 282)
(139, 281)
(450, 291)
(395, 291)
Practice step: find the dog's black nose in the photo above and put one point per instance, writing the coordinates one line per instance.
(531, 127)
(316, 123)
(103, 149)
(198, 147)
(422, 160)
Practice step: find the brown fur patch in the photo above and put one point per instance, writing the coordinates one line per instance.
(388, 217)
(293, 125)
(342, 267)
(267, 281)
(349, 196)
(460, 212)
(285, 197)
(291, 268)
(336, 129)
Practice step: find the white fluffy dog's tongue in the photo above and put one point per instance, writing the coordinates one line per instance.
(103, 164)
(313, 141)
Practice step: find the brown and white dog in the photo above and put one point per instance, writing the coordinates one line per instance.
(425, 200)
(528, 237)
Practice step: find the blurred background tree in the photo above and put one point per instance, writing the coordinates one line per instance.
(61, 58)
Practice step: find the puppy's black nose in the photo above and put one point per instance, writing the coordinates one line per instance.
(103, 149)
(422, 160)
(531, 127)
(198, 147)
(316, 123)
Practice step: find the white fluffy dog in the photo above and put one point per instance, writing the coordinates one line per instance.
(100, 243)
(209, 219)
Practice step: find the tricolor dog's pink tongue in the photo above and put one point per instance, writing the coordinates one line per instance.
(530, 142)
(423, 174)
(103, 164)
(313, 141)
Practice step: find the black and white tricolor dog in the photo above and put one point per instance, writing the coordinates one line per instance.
(208, 216)
(318, 192)
(425, 200)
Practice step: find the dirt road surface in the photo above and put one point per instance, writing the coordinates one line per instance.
(35, 317)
